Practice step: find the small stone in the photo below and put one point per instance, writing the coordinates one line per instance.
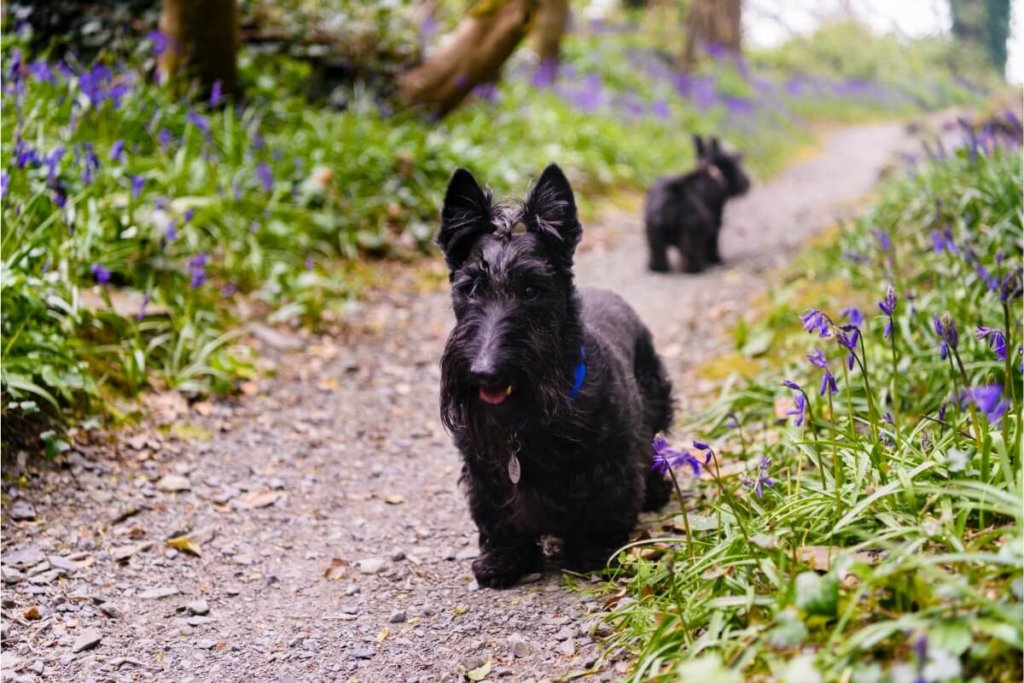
(397, 617)
(171, 483)
(397, 555)
(563, 633)
(206, 644)
(197, 621)
(566, 648)
(371, 565)
(520, 648)
(122, 552)
(198, 607)
(364, 653)
(58, 562)
(351, 589)
(46, 577)
(111, 610)
(532, 577)
(37, 667)
(467, 553)
(87, 640)
(448, 554)
(157, 593)
(22, 511)
(24, 558)
(11, 575)
(473, 662)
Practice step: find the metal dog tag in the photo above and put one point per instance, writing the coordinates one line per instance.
(515, 473)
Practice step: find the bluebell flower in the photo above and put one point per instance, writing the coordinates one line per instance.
(888, 307)
(160, 42)
(265, 177)
(763, 477)
(709, 452)
(799, 409)
(884, 241)
(100, 274)
(816, 321)
(854, 315)
(988, 399)
(189, 213)
(1010, 288)
(216, 93)
(138, 183)
(41, 72)
(948, 335)
(792, 385)
(996, 340)
(847, 338)
(165, 137)
(199, 121)
(5, 180)
(117, 151)
(197, 270)
(817, 358)
(142, 309)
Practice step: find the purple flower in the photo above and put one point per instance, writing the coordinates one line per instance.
(265, 177)
(160, 42)
(763, 478)
(946, 329)
(943, 241)
(709, 452)
(40, 71)
(792, 385)
(828, 383)
(228, 289)
(799, 408)
(888, 307)
(887, 417)
(988, 399)
(309, 263)
(171, 233)
(884, 241)
(732, 422)
(90, 162)
(188, 215)
(5, 180)
(117, 151)
(817, 358)
(847, 338)
(216, 93)
(165, 137)
(138, 182)
(199, 121)
(854, 315)
(663, 453)
(59, 198)
(1010, 288)
(197, 270)
(100, 274)
(996, 340)
(942, 410)
(661, 110)
(142, 309)
(815, 320)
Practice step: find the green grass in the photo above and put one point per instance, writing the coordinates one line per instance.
(277, 203)
(893, 526)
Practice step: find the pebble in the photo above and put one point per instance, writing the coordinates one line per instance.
(171, 483)
(11, 575)
(567, 648)
(22, 511)
(198, 607)
(448, 554)
(111, 610)
(520, 648)
(371, 565)
(197, 621)
(398, 556)
(59, 562)
(89, 638)
(26, 557)
(563, 633)
(467, 554)
(46, 577)
(473, 662)
(206, 644)
(365, 653)
(397, 617)
(157, 593)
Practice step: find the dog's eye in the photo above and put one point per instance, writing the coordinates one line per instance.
(529, 293)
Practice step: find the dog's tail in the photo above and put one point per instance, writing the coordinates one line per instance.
(659, 410)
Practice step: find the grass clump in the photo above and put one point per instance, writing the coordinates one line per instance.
(858, 515)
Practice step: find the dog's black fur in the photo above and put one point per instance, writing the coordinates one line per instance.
(585, 460)
(685, 211)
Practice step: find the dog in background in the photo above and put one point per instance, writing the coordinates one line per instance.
(685, 211)
(552, 394)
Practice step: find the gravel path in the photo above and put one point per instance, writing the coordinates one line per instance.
(334, 542)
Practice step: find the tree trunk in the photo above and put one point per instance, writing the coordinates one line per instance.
(202, 42)
(473, 55)
(711, 26)
(984, 26)
(552, 19)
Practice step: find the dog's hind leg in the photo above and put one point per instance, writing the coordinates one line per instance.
(656, 388)
(658, 248)
(714, 256)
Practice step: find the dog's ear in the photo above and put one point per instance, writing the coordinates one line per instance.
(550, 213)
(466, 216)
(698, 146)
(716, 147)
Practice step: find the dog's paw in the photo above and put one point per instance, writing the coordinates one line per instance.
(494, 572)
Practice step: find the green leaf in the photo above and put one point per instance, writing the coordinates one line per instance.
(789, 629)
(953, 636)
(707, 669)
(479, 673)
(817, 595)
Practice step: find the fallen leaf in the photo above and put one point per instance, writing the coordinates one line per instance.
(336, 570)
(257, 499)
(249, 388)
(204, 408)
(820, 557)
(327, 384)
(612, 600)
(479, 673)
(186, 544)
(384, 633)
(32, 613)
(394, 499)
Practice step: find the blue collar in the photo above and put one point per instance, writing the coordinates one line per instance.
(579, 376)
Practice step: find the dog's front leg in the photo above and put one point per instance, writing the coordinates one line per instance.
(505, 554)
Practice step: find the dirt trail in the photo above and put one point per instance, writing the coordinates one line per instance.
(339, 465)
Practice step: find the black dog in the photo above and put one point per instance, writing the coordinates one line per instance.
(552, 394)
(685, 211)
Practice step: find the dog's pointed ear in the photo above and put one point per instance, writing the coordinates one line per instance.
(716, 147)
(698, 146)
(550, 212)
(465, 217)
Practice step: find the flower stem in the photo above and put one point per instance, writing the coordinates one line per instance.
(682, 509)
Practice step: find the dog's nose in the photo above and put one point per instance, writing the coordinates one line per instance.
(483, 372)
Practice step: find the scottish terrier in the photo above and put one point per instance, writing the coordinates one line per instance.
(685, 211)
(552, 394)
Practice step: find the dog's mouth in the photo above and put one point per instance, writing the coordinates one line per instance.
(494, 396)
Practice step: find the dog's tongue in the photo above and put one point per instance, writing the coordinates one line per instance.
(495, 397)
